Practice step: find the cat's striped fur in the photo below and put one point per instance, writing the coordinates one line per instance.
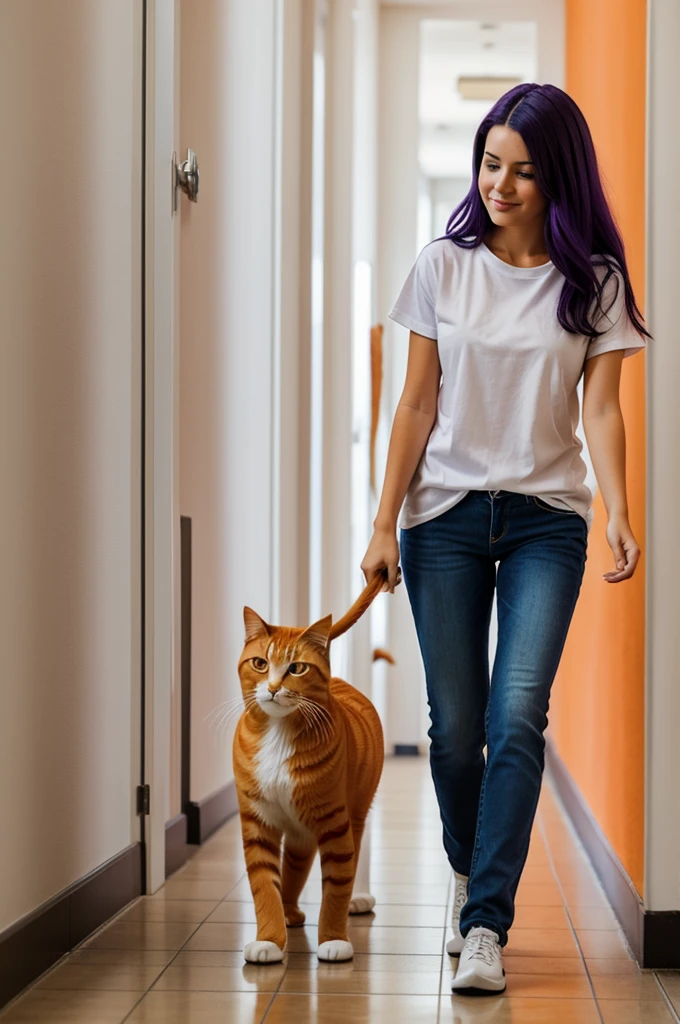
(308, 755)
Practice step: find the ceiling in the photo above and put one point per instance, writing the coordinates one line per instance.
(449, 48)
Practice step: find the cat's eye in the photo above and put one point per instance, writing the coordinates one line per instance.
(259, 664)
(297, 668)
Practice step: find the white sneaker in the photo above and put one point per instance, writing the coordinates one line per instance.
(481, 962)
(460, 895)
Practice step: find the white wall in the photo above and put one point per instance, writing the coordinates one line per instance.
(662, 807)
(70, 107)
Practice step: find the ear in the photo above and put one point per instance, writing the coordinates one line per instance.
(255, 626)
(317, 634)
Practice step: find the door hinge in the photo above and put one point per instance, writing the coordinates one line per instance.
(143, 799)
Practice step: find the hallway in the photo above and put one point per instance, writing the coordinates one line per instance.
(176, 957)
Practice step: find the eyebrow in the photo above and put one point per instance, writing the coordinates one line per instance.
(516, 161)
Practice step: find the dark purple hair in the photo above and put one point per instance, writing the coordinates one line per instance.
(579, 223)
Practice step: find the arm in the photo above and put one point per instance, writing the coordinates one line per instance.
(413, 422)
(605, 433)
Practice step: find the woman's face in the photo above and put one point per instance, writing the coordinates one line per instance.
(505, 174)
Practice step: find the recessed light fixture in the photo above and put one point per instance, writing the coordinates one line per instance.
(485, 87)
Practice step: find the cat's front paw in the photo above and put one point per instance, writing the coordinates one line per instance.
(259, 952)
(294, 916)
(335, 949)
(362, 903)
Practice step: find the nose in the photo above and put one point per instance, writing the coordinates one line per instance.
(275, 686)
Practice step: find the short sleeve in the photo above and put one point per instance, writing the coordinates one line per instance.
(619, 330)
(415, 307)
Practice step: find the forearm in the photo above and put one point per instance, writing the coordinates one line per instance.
(606, 437)
(410, 431)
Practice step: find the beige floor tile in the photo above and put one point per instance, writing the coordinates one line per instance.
(418, 855)
(602, 944)
(642, 985)
(114, 977)
(370, 962)
(620, 1011)
(345, 979)
(201, 1008)
(612, 965)
(211, 870)
(583, 895)
(544, 986)
(529, 894)
(394, 915)
(671, 983)
(594, 918)
(541, 942)
(122, 957)
(409, 895)
(209, 958)
(193, 889)
(246, 978)
(189, 911)
(415, 941)
(222, 936)
(538, 875)
(540, 917)
(45, 1007)
(540, 965)
(142, 935)
(342, 1009)
(413, 874)
(520, 1010)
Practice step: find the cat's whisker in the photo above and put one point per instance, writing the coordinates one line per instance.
(225, 704)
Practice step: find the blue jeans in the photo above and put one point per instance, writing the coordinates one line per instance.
(449, 568)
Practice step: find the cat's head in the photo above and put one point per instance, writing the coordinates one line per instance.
(283, 668)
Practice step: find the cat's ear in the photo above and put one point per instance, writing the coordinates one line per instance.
(318, 634)
(255, 626)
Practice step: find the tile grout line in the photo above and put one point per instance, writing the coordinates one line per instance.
(177, 952)
(541, 827)
(444, 953)
(666, 998)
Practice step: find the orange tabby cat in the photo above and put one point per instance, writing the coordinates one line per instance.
(308, 756)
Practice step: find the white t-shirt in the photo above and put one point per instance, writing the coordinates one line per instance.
(508, 407)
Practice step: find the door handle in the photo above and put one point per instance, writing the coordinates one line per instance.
(186, 177)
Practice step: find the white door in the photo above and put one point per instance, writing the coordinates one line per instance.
(70, 454)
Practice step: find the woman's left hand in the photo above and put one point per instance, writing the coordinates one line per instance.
(626, 552)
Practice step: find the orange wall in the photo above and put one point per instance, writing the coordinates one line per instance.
(597, 705)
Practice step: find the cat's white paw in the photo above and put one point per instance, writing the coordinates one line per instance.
(335, 949)
(362, 903)
(262, 953)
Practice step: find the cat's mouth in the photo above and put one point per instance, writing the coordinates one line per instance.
(278, 705)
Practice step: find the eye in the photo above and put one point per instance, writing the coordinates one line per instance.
(297, 668)
(259, 664)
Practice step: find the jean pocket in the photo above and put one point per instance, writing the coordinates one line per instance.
(551, 508)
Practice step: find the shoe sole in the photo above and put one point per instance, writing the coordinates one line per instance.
(480, 986)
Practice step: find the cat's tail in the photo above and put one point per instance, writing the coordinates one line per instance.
(362, 604)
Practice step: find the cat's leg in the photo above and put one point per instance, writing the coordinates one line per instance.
(297, 862)
(338, 867)
(262, 849)
(362, 902)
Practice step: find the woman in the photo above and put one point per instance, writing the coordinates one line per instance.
(527, 290)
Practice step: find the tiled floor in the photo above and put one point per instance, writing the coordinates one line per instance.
(176, 957)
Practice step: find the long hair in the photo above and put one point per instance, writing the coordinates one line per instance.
(580, 232)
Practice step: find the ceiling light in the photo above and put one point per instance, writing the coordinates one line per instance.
(485, 87)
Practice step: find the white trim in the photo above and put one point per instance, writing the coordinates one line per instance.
(162, 507)
(662, 656)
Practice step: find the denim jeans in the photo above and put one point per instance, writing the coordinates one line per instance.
(449, 568)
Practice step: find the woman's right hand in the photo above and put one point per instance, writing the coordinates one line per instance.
(383, 551)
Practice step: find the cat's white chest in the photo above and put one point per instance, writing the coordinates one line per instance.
(275, 805)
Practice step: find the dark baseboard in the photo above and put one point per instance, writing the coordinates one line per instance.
(653, 936)
(36, 942)
(406, 750)
(177, 849)
(208, 815)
